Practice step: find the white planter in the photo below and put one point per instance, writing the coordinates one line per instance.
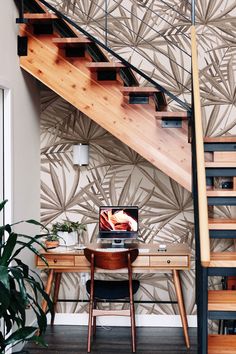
(67, 239)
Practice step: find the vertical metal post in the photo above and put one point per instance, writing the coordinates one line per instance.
(21, 18)
(106, 22)
(193, 12)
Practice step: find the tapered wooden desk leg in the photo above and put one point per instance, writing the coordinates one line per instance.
(48, 288)
(181, 306)
(55, 295)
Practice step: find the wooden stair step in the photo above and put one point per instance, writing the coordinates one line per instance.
(102, 66)
(221, 193)
(221, 164)
(40, 16)
(222, 156)
(221, 224)
(74, 41)
(221, 344)
(147, 91)
(171, 115)
(220, 139)
(223, 259)
(139, 90)
(221, 300)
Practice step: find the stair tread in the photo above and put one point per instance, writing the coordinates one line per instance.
(221, 164)
(221, 193)
(139, 89)
(221, 224)
(169, 115)
(105, 65)
(220, 139)
(221, 344)
(71, 41)
(223, 259)
(222, 300)
(40, 16)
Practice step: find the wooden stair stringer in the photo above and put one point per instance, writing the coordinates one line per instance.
(166, 149)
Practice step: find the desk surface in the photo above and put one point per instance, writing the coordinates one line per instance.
(176, 256)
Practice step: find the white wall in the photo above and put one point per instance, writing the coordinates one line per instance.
(23, 95)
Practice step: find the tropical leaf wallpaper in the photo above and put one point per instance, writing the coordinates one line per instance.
(160, 46)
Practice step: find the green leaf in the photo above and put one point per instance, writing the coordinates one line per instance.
(20, 335)
(9, 247)
(2, 204)
(4, 277)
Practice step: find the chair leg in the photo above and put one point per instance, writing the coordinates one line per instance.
(94, 319)
(90, 325)
(133, 327)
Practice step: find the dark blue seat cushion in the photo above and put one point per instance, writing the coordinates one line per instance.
(111, 290)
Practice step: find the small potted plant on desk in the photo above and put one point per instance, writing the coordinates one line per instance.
(68, 232)
(51, 241)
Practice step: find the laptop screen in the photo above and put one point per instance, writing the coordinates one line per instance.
(118, 219)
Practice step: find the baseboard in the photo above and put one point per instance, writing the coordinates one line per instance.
(75, 319)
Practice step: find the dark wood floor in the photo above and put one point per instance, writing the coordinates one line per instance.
(73, 339)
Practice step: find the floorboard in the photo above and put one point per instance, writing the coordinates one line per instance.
(73, 339)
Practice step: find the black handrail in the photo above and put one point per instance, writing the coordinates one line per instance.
(117, 56)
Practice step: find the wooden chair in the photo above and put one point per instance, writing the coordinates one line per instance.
(110, 290)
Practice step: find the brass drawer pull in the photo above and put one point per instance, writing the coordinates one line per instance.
(55, 260)
(168, 261)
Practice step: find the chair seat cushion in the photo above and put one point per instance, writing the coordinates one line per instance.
(111, 290)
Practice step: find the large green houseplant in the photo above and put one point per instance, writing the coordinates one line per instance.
(20, 288)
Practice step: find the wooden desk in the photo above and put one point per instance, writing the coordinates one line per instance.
(174, 259)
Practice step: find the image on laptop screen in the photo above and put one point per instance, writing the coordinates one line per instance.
(118, 219)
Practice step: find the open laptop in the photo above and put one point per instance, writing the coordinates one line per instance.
(118, 223)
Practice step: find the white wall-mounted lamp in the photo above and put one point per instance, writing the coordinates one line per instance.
(81, 154)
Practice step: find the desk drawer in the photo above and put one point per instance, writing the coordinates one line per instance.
(57, 260)
(141, 261)
(169, 261)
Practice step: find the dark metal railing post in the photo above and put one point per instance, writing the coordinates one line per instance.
(193, 12)
(21, 18)
(106, 23)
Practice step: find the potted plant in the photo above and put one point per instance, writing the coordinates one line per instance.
(67, 232)
(20, 288)
(51, 241)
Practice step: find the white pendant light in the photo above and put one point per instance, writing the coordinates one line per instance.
(81, 154)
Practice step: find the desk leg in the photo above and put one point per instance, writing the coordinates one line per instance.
(55, 295)
(181, 306)
(48, 289)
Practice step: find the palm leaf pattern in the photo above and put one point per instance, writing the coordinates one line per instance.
(118, 175)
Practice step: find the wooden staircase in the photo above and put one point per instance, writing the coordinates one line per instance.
(78, 70)
(212, 158)
(219, 304)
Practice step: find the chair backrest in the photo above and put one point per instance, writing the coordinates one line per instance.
(111, 260)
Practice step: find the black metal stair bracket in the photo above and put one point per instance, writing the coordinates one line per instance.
(43, 27)
(211, 147)
(22, 46)
(106, 75)
(221, 201)
(171, 123)
(220, 171)
(222, 315)
(75, 52)
(222, 234)
(138, 98)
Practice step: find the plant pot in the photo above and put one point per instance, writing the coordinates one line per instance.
(68, 239)
(51, 244)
